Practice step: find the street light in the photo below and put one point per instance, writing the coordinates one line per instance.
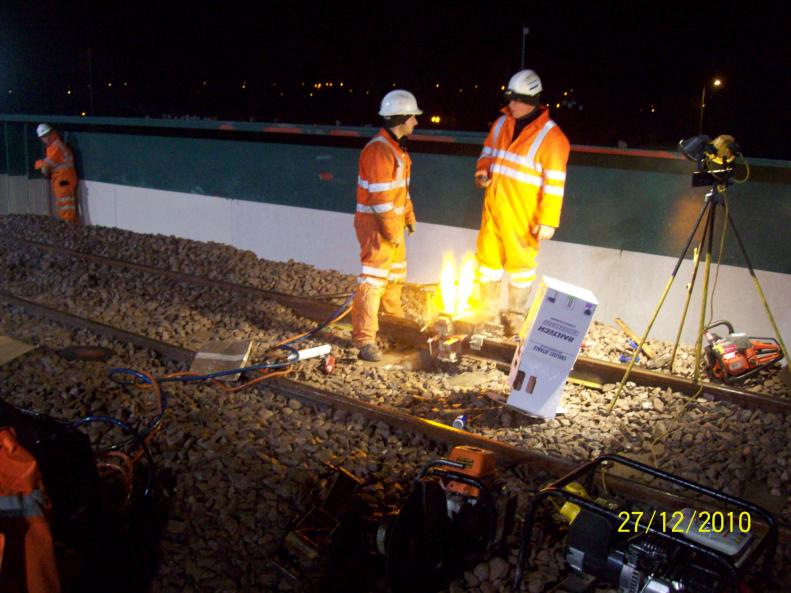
(716, 83)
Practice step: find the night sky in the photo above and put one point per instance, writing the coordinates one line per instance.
(637, 69)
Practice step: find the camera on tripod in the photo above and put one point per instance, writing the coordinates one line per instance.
(714, 158)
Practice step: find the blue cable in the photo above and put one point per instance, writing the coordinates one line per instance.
(135, 435)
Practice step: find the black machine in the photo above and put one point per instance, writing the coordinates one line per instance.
(454, 511)
(653, 550)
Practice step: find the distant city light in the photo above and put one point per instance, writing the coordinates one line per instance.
(68, 92)
(437, 85)
(109, 84)
(717, 82)
(244, 85)
(557, 105)
(83, 114)
(565, 93)
(341, 84)
(460, 90)
(10, 91)
(502, 87)
(435, 119)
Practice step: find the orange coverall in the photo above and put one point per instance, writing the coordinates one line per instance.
(528, 176)
(383, 209)
(59, 166)
(28, 561)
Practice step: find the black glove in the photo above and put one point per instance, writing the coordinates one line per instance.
(410, 228)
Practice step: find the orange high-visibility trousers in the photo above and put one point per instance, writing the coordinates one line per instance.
(64, 189)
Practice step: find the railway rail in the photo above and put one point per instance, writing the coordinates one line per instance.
(507, 454)
(409, 332)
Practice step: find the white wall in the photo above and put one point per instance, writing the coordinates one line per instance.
(628, 285)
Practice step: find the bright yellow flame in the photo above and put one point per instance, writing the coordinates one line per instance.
(455, 290)
(447, 284)
(466, 283)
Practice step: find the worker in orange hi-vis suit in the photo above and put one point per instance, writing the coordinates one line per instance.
(384, 211)
(58, 165)
(523, 169)
(28, 561)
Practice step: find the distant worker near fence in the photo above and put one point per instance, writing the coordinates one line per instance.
(523, 170)
(58, 165)
(384, 212)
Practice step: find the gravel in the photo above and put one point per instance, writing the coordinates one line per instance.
(239, 462)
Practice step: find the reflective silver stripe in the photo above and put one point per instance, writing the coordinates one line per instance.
(490, 274)
(518, 175)
(553, 190)
(555, 175)
(398, 158)
(399, 210)
(497, 127)
(486, 152)
(380, 187)
(531, 154)
(525, 275)
(396, 277)
(398, 265)
(521, 283)
(371, 281)
(376, 209)
(378, 272)
(23, 505)
(514, 158)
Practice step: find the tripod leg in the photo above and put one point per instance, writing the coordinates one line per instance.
(707, 205)
(758, 287)
(704, 297)
(690, 286)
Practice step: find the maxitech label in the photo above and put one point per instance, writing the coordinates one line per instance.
(559, 330)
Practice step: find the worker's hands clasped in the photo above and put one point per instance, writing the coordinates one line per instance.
(543, 232)
(482, 179)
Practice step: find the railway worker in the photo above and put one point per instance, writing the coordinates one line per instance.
(523, 170)
(384, 212)
(58, 165)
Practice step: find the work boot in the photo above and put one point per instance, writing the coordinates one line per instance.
(490, 298)
(518, 301)
(370, 352)
(391, 300)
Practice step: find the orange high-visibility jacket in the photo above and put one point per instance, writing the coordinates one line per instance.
(383, 206)
(59, 159)
(60, 164)
(528, 176)
(28, 563)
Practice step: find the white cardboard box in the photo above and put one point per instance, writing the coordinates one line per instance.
(552, 335)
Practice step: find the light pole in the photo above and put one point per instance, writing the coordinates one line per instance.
(716, 83)
(525, 31)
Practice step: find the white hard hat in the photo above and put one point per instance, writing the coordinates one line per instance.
(43, 130)
(399, 102)
(524, 83)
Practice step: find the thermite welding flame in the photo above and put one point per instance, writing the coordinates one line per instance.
(456, 289)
